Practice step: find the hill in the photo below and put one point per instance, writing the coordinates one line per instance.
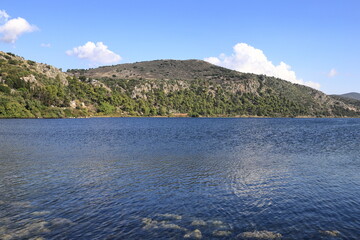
(161, 87)
(348, 100)
(351, 95)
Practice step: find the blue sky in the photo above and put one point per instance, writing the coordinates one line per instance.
(317, 41)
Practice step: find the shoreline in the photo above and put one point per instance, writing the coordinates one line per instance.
(201, 117)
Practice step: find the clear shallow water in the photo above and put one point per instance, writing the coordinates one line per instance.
(151, 178)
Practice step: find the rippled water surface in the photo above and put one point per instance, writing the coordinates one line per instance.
(169, 178)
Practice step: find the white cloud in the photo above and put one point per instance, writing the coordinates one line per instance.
(96, 53)
(3, 16)
(246, 58)
(45, 45)
(13, 28)
(332, 73)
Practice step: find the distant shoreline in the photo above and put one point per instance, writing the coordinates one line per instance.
(202, 117)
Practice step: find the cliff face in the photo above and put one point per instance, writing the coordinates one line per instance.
(161, 87)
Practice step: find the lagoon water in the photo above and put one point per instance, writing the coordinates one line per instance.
(163, 178)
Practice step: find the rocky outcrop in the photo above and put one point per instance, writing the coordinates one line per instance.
(196, 234)
(51, 72)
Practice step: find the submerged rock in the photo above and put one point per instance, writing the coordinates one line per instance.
(149, 223)
(6, 237)
(40, 213)
(219, 233)
(37, 238)
(61, 222)
(223, 227)
(260, 235)
(169, 216)
(24, 204)
(167, 225)
(5, 220)
(37, 227)
(332, 233)
(3, 230)
(216, 222)
(198, 223)
(196, 234)
(147, 220)
(28, 230)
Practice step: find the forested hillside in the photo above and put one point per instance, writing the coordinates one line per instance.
(155, 88)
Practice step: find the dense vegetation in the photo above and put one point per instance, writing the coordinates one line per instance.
(28, 90)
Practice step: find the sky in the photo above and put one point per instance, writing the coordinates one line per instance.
(310, 42)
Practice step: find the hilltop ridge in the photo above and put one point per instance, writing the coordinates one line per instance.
(158, 69)
(351, 95)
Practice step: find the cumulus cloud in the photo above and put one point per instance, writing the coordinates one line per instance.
(332, 73)
(13, 28)
(96, 53)
(246, 58)
(3, 16)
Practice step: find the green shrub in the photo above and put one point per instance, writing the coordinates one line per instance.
(106, 108)
(5, 89)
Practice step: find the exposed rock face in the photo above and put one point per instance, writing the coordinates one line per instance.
(73, 104)
(97, 83)
(52, 72)
(31, 79)
(139, 91)
(76, 103)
